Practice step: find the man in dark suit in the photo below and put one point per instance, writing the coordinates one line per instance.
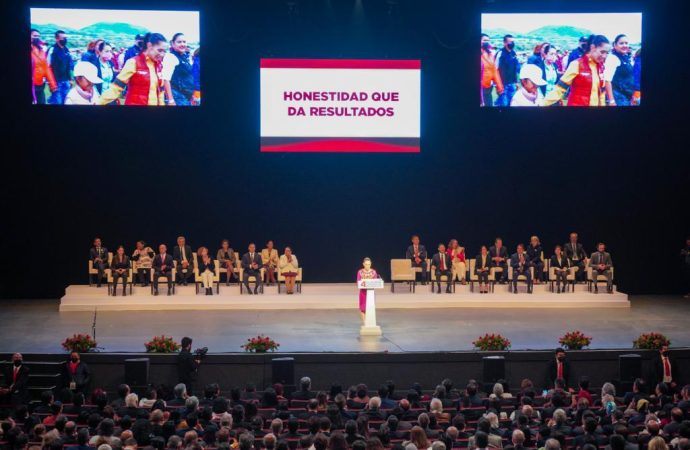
(76, 374)
(99, 256)
(665, 370)
(601, 264)
(16, 378)
(251, 267)
(499, 258)
(305, 392)
(187, 365)
(559, 367)
(576, 253)
(520, 263)
(162, 267)
(417, 254)
(182, 254)
(441, 265)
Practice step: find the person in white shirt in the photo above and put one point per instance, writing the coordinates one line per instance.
(529, 93)
(289, 268)
(83, 93)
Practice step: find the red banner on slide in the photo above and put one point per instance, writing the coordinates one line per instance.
(409, 64)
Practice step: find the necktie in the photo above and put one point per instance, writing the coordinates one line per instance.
(183, 253)
(667, 368)
(559, 372)
(443, 262)
(14, 375)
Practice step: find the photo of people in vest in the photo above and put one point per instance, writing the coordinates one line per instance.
(106, 57)
(572, 59)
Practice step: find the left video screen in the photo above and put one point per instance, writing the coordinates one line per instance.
(111, 57)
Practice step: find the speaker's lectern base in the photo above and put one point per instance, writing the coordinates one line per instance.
(370, 331)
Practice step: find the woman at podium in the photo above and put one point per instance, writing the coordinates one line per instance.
(365, 273)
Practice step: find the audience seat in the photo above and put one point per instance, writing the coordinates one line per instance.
(298, 279)
(93, 271)
(401, 270)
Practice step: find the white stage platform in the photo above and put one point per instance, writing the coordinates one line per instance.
(334, 296)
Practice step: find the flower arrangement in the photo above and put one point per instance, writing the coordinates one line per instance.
(81, 343)
(651, 341)
(260, 344)
(491, 342)
(575, 340)
(162, 344)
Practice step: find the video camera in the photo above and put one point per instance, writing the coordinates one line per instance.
(200, 353)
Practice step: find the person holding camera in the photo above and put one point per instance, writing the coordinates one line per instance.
(187, 364)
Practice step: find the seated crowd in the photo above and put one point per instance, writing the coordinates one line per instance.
(260, 267)
(527, 261)
(444, 418)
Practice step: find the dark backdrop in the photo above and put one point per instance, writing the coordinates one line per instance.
(615, 175)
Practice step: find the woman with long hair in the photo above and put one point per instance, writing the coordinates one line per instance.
(618, 73)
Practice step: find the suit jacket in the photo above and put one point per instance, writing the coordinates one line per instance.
(186, 367)
(116, 264)
(493, 252)
(220, 256)
(177, 254)
(19, 389)
(436, 261)
(600, 258)
(202, 267)
(564, 264)
(95, 253)
(270, 257)
(578, 250)
(158, 262)
(247, 261)
(534, 252)
(478, 263)
(515, 261)
(410, 252)
(81, 377)
(552, 373)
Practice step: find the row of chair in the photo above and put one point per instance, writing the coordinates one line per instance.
(403, 271)
(237, 271)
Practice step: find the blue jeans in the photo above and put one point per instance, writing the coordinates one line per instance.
(621, 99)
(181, 99)
(507, 96)
(58, 97)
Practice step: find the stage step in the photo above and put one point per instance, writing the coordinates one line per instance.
(336, 296)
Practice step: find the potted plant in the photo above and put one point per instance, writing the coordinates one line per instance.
(260, 344)
(575, 340)
(162, 344)
(491, 342)
(81, 343)
(651, 341)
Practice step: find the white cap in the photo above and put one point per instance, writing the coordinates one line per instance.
(87, 70)
(533, 73)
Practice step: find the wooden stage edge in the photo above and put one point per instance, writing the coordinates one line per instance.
(316, 296)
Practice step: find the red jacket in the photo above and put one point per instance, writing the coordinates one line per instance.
(140, 84)
(581, 88)
(42, 70)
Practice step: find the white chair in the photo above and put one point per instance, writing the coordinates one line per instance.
(251, 279)
(474, 278)
(401, 271)
(130, 280)
(298, 279)
(520, 278)
(93, 271)
(216, 276)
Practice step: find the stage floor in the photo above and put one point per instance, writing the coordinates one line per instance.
(38, 326)
(334, 296)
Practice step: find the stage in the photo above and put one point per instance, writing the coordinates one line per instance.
(334, 296)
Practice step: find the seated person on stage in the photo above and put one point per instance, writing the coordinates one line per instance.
(143, 256)
(417, 254)
(288, 267)
(251, 266)
(269, 255)
(162, 267)
(561, 266)
(440, 264)
(120, 270)
(601, 265)
(534, 252)
(519, 261)
(183, 255)
(482, 267)
(576, 253)
(457, 257)
(207, 269)
(99, 256)
(499, 258)
(226, 258)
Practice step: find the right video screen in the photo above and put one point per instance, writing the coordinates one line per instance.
(561, 59)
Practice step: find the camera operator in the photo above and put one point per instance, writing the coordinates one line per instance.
(187, 364)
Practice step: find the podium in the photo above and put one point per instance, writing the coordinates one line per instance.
(370, 328)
